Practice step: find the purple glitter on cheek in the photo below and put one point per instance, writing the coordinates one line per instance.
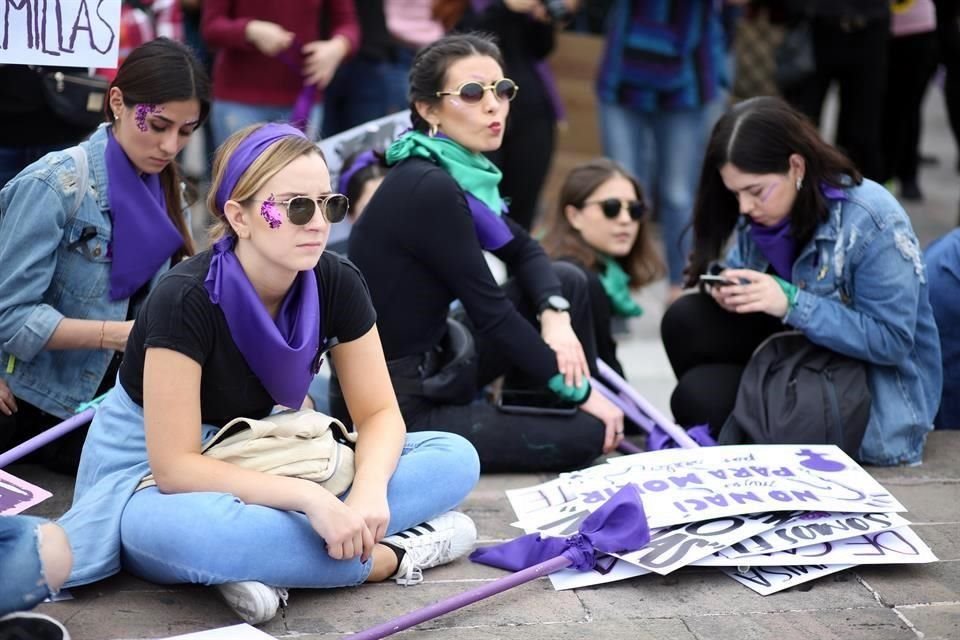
(142, 111)
(271, 212)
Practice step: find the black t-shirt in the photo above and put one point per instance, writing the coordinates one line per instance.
(418, 250)
(178, 315)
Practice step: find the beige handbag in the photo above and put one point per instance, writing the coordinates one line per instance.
(300, 444)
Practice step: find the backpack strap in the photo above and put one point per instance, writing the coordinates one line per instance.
(79, 155)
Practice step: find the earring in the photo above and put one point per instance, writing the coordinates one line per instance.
(434, 128)
(799, 182)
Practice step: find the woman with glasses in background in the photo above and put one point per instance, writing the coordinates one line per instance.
(233, 332)
(599, 225)
(420, 245)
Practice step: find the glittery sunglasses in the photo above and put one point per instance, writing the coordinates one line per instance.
(301, 209)
(472, 92)
(611, 207)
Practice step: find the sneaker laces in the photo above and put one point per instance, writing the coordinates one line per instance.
(283, 595)
(425, 552)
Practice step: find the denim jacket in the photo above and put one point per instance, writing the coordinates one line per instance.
(863, 293)
(55, 267)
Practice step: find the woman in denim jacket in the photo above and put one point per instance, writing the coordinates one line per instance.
(84, 235)
(818, 248)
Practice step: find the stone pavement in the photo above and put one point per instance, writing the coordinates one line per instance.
(877, 603)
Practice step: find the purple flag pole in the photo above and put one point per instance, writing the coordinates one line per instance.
(46, 437)
(462, 600)
(675, 431)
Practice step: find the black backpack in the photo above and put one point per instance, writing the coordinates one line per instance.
(795, 392)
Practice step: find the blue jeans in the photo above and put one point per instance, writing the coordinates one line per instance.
(163, 542)
(22, 583)
(227, 117)
(664, 150)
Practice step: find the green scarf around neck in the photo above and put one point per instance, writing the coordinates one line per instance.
(474, 172)
(616, 283)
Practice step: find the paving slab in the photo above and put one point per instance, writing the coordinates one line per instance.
(935, 621)
(840, 624)
(914, 583)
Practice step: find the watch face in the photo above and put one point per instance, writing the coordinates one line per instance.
(558, 303)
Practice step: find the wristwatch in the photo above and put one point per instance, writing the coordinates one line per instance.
(553, 303)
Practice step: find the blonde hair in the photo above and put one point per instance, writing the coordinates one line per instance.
(268, 164)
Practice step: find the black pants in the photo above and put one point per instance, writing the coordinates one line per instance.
(857, 60)
(911, 64)
(505, 442)
(948, 36)
(708, 349)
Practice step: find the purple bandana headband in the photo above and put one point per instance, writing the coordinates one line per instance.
(248, 151)
(361, 162)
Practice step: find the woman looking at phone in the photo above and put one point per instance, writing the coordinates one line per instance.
(420, 244)
(817, 248)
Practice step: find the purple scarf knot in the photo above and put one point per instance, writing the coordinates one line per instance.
(617, 526)
(282, 353)
(777, 245)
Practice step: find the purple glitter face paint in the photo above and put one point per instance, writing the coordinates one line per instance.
(271, 212)
(142, 111)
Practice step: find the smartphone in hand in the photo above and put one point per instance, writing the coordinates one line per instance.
(715, 280)
(532, 402)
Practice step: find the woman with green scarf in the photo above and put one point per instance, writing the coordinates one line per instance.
(600, 225)
(420, 247)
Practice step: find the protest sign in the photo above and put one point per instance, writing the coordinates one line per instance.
(767, 580)
(677, 546)
(608, 569)
(690, 485)
(235, 632)
(18, 495)
(60, 33)
(895, 546)
(813, 528)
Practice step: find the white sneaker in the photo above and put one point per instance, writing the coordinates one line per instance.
(432, 543)
(253, 601)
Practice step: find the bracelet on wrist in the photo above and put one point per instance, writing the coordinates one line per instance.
(103, 328)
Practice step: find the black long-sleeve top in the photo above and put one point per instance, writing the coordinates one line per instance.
(418, 251)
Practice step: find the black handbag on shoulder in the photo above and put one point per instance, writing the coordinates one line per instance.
(74, 95)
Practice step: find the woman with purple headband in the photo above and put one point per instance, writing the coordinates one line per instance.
(233, 332)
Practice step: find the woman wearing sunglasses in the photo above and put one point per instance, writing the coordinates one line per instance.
(231, 333)
(420, 246)
(600, 226)
(84, 235)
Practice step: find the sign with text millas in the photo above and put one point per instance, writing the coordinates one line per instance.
(680, 486)
(60, 33)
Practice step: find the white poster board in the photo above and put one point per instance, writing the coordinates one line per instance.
(60, 33)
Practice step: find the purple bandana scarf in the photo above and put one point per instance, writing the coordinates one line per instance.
(143, 235)
(282, 352)
(777, 245)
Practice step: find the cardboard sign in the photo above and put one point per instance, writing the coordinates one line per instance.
(18, 495)
(895, 546)
(677, 546)
(807, 530)
(767, 580)
(60, 33)
(609, 569)
(690, 485)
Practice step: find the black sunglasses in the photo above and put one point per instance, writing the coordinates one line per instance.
(472, 92)
(301, 209)
(611, 207)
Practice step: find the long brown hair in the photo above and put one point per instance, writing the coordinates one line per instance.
(643, 264)
(163, 70)
(449, 12)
